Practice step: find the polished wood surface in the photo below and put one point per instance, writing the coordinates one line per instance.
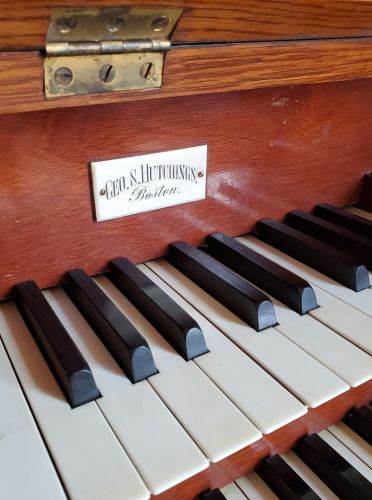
(201, 70)
(244, 461)
(23, 23)
(269, 151)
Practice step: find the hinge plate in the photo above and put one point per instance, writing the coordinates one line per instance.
(106, 49)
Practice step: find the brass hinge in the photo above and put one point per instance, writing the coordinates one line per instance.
(90, 50)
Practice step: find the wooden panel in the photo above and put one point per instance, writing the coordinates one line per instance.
(202, 70)
(23, 23)
(270, 151)
(280, 441)
(237, 465)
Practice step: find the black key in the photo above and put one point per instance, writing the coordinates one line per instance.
(283, 480)
(333, 469)
(274, 279)
(345, 219)
(365, 200)
(316, 254)
(122, 339)
(231, 290)
(178, 327)
(212, 495)
(63, 357)
(360, 421)
(357, 246)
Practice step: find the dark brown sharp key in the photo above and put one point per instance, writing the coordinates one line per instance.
(60, 352)
(121, 338)
(333, 235)
(286, 286)
(235, 293)
(340, 476)
(345, 219)
(215, 494)
(328, 260)
(360, 421)
(174, 324)
(284, 481)
(365, 200)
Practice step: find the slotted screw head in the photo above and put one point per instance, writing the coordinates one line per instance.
(147, 70)
(65, 24)
(63, 76)
(114, 24)
(160, 23)
(107, 73)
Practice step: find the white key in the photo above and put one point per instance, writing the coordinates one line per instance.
(212, 420)
(228, 366)
(26, 471)
(255, 488)
(349, 456)
(232, 492)
(360, 300)
(360, 212)
(87, 454)
(348, 322)
(137, 415)
(351, 440)
(333, 351)
(305, 377)
(310, 478)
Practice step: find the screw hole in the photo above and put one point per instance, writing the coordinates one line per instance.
(160, 23)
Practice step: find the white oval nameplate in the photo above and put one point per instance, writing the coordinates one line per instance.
(128, 186)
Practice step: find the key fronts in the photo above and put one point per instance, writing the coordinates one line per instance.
(360, 421)
(365, 199)
(180, 329)
(290, 289)
(125, 343)
(235, 293)
(63, 357)
(328, 260)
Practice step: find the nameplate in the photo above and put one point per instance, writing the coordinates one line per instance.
(127, 186)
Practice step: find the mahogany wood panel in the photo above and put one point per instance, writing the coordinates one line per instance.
(241, 463)
(269, 151)
(202, 70)
(23, 23)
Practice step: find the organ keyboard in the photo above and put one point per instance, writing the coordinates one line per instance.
(185, 306)
(133, 440)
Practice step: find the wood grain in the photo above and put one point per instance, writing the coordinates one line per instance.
(269, 151)
(241, 463)
(23, 23)
(201, 70)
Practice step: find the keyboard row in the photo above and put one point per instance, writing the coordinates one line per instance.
(334, 464)
(203, 409)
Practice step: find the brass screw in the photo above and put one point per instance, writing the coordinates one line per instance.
(160, 23)
(65, 24)
(147, 70)
(102, 192)
(200, 174)
(63, 76)
(114, 24)
(107, 73)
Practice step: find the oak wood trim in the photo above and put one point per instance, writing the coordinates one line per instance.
(244, 461)
(201, 70)
(23, 23)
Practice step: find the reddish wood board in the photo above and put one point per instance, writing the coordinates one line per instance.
(24, 23)
(270, 151)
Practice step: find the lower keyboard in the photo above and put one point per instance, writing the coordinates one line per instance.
(342, 470)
